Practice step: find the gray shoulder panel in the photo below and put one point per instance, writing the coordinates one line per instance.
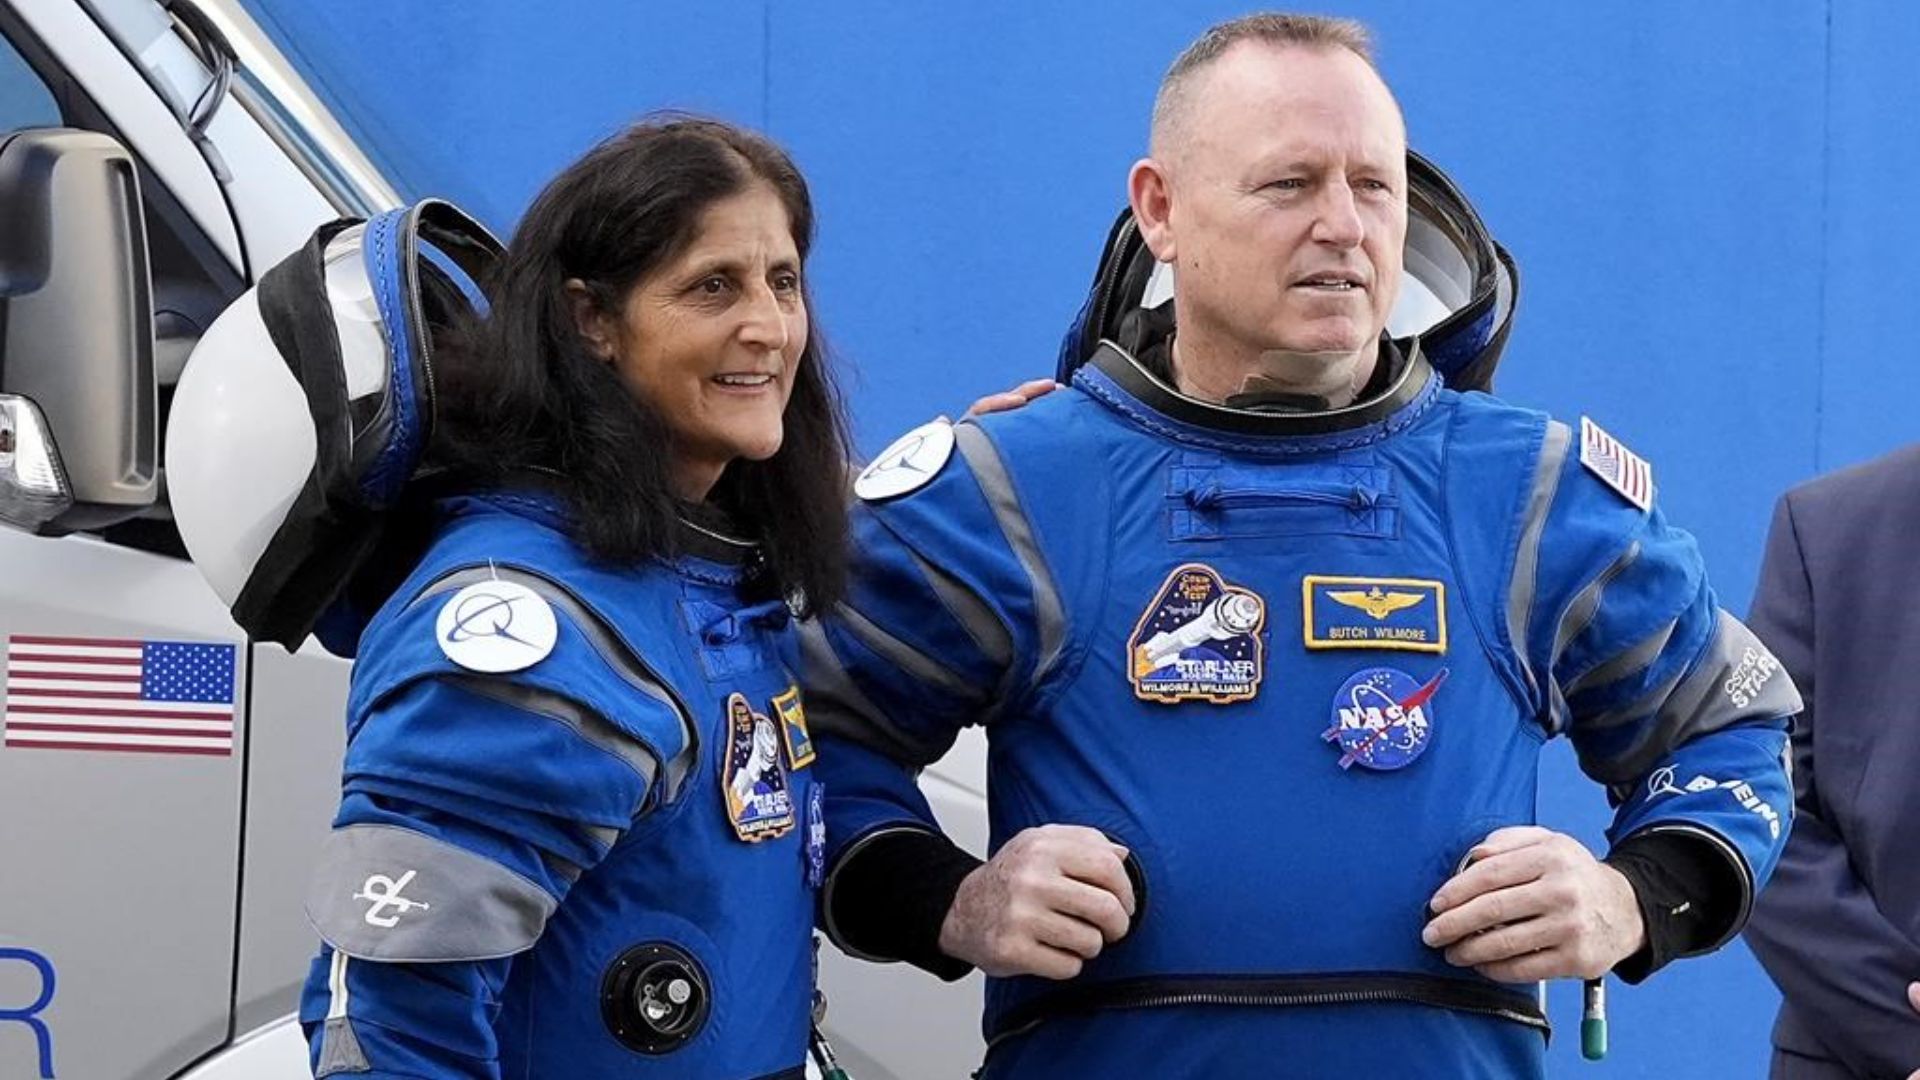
(614, 651)
(1735, 679)
(589, 725)
(381, 892)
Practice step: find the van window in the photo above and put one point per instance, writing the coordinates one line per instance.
(25, 101)
(192, 282)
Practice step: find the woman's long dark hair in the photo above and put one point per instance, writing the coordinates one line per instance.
(522, 389)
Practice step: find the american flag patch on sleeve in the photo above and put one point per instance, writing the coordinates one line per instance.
(1623, 470)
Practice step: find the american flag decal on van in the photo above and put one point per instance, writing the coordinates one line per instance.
(155, 697)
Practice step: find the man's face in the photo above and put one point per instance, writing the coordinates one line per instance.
(1288, 209)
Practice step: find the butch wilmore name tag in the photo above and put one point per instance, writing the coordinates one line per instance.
(1374, 613)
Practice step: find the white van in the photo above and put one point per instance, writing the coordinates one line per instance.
(159, 805)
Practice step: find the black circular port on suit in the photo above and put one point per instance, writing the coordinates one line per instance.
(655, 998)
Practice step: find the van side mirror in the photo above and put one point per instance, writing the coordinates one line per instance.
(79, 446)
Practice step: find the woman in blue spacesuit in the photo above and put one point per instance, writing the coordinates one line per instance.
(578, 834)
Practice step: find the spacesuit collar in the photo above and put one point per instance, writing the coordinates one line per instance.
(706, 532)
(1410, 384)
(701, 531)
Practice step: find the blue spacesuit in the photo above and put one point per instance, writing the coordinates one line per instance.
(578, 834)
(1297, 663)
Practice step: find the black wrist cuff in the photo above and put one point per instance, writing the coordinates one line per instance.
(890, 897)
(1687, 893)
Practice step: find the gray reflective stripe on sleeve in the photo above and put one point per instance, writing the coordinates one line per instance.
(991, 474)
(904, 656)
(1586, 604)
(1526, 563)
(340, 1050)
(586, 723)
(608, 644)
(381, 892)
(972, 613)
(1573, 622)
(603, 838)
(1735, 679)
(1638, 709)
(1632, 661)
(835, 706)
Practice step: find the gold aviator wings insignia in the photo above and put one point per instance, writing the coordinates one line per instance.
(1377, 602)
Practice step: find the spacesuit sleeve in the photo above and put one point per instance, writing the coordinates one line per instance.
(1670, 701)
(952, 618)
(470, 805)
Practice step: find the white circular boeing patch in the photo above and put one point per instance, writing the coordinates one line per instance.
(496, 627)
(909, 464)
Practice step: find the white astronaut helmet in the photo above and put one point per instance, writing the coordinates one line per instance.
(1458, 286)
(308, 405)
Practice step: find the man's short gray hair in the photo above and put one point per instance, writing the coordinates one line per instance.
(1270, 28)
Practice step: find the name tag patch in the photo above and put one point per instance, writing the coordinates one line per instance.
(1374, 613)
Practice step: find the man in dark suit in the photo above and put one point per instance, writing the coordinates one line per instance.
(1839, 926)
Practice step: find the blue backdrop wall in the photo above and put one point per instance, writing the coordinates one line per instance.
(1709, 206)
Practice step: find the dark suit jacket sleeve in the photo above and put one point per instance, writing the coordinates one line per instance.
(1841, 965)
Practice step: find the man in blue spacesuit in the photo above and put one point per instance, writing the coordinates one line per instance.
(1266, 627)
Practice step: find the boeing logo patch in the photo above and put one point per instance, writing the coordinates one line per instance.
(1198, 641)
(1383, 718)
(909, 464)
(1374, 613)
(752, 779)
(496, 626)
(1662, 784)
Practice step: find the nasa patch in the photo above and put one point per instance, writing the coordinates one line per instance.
(1198, 641)
(816, 845)
(1383, 718)
(752, 779)
(909, 464)
(496, 627)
